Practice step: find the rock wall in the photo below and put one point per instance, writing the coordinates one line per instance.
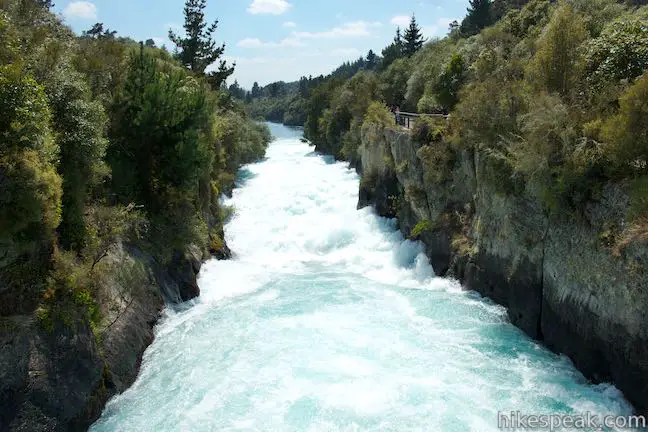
(60, 379)
(556, 274)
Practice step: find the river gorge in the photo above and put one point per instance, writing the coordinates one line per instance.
(327, 319)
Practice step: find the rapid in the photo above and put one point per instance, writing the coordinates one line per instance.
(327, 319)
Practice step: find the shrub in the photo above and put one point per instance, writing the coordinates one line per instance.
(488, 111)
(638, 199)
(70, 295)
(351, 141)
(426, 131)
(421, 227)
(557, 64)
(378, 114)
(626, 134)
(619, 53)
(450, 81)
(30, 188)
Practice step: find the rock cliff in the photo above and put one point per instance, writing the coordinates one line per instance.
(559, 275)
(59, 378)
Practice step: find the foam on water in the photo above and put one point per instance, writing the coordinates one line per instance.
(328, 320)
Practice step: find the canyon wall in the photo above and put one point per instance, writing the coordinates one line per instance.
(560, 275)
(59, 378)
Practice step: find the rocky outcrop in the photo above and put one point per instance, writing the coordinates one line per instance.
(558, 275)
(59, 379)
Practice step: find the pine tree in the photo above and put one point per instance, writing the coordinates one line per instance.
(479, 16)
(413, 38)
(256, 91)
(398, 40)
(236, 91)
(371, 60)
(197, 50)
(303, 87)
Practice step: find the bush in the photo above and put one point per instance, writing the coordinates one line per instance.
(393, 85)
(619, 53)
(31, 189)
(450, 81)
(488, 111)
(70, 296)
(438, 154)
(351, 141)
(421, 227)
(379, 115)
(626, 134)
(427, 131)
(557, 65)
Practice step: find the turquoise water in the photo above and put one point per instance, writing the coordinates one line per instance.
(327, 320)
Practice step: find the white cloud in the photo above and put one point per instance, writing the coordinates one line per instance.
(351, 29)
(289, 24)
(258, 43)
(274, 7)
(401, 20)
(80, 10)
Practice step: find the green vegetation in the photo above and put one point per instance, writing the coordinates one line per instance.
(421, 227)
(107, 141)
(552, 95)
(549, 93)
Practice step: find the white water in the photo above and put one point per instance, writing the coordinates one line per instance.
(326, 320)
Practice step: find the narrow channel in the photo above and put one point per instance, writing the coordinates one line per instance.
(328, 320)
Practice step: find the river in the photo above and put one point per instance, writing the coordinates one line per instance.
(328, 320)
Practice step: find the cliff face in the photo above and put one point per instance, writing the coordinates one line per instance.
(558, 275)
(59, 379)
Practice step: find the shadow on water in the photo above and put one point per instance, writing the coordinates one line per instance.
(243, 176)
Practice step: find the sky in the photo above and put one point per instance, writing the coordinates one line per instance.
(273, 40)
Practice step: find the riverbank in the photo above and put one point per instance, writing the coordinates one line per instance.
(562, 279)
(60, 378)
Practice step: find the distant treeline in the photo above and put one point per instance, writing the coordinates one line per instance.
(553, 93)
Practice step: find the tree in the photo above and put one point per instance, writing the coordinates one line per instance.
(276, 89)
(218, 77)
(479, 16)
(394, 82)
(557, 60)
(79, 124)
(256, 91)
(626, 133)
(97, 31)
(372, 59)
(160, 151)
(303, 87)
(197, 50)
(454, 30)
(236, 91)
(619, 53)
(398, 39)
(150, 43)
(450, 81)
(413, 38)
(30, 195)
